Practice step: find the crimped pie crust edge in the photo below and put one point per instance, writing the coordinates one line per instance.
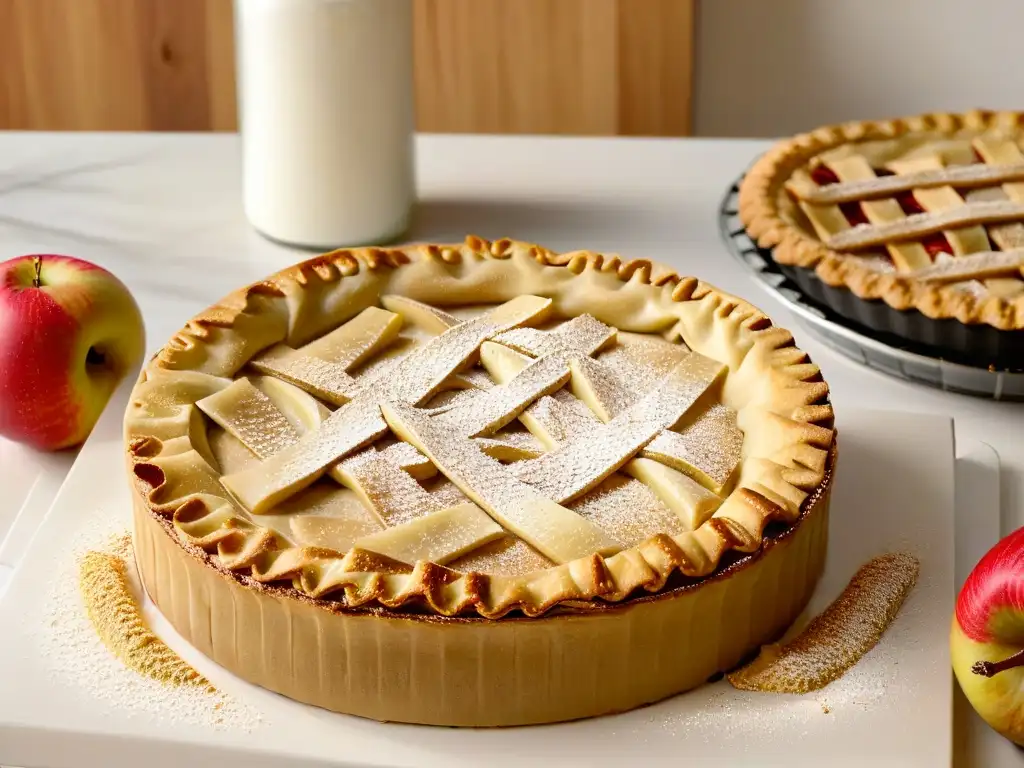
(792, 246)
(304, 301)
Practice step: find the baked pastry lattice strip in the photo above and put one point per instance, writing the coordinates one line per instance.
(830, 221)
(960, 176)
(1007, 236)
(578, 465)
(561, 419)
(918, 224)
(436, 527)
(321, 367)
(412, 380)
(557, 532)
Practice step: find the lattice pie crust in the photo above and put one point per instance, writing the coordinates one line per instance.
(925, 213)
(490, 431)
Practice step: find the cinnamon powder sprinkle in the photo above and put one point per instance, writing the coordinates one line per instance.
(113, 611)
(837, 639)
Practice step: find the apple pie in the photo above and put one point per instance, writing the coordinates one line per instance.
(912, 227)
(482, 484)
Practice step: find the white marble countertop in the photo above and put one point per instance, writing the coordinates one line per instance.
(163, 212)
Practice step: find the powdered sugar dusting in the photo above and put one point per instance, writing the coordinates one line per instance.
(883, 186)
(712, 443)
(582, 335)
(628, 509)
(578, 465)
(974, 265)
(84, 668)
(493, 408)
(726, 714)
(412, 380)
(625, 403)
(721, 714)
(251, 417)
(916, 224)
(511, 445)
(507, 556)
(391, 492)
(319, 377)
(835, 640)
(561, 417)
(557, 532)
(642, 359)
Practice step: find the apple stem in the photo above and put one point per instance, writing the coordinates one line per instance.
(990, 668)
(37, 281)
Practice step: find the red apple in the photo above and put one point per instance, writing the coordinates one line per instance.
(69, 331)
(987, 639)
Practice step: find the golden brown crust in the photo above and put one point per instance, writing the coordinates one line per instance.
(778, 393)
(581, 660)
(815, 504)
(793, 245)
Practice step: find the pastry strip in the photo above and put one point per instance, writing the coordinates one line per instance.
(437, 538)
(577, 466)
(583, 335)
(831, 219)
(251, 417)
(356, 424)
(918, 224)
(321, 367)
(560, 419)
(974, 266)
(964, 240)
(964, 176)
(555, 531)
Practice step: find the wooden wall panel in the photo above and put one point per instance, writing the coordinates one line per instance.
(529, 66)
(655, 67)
(555, 66)
(116, 64)
(493, 66)
(51, 70)
(220, 60)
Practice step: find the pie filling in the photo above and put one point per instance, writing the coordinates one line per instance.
(948, 211)
(501, 441)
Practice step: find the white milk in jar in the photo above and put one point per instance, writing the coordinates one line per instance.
(326, 112)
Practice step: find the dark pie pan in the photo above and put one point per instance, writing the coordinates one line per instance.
(888, 351)
(976, 345)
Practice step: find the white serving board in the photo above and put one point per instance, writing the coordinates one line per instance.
(29, 481)
(978, 527)
(894, 490)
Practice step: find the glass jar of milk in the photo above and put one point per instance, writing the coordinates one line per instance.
(326, 111)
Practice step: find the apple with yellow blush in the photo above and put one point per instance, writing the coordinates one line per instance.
(69, 332)
(987, 638)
